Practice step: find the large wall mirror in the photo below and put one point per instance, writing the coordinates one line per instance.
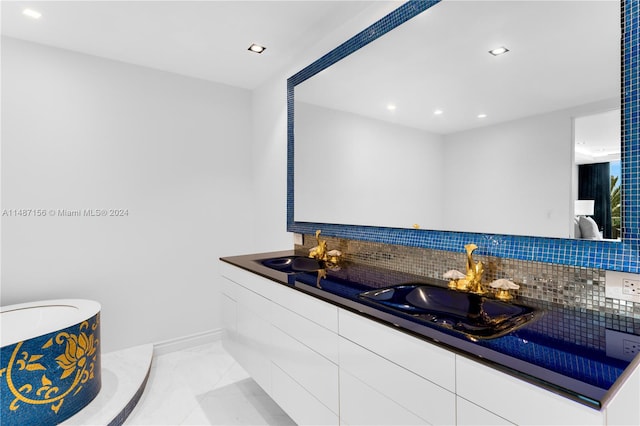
(414, 123)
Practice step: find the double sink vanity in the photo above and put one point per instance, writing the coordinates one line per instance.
(473, 315)
(356, 344)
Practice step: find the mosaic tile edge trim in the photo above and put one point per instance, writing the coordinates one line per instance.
(609, 255)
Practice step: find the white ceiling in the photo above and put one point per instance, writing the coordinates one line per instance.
(209, 40)
(202, 39)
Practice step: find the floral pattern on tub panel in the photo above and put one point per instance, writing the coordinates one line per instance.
(49, 378)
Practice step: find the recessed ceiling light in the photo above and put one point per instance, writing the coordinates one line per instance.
(256, 48)
(391, 107)
(482, 115)
(498, 51)
(32, 13)
(438, 112)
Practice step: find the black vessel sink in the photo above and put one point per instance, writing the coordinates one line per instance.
(292, 264)
(474, 315)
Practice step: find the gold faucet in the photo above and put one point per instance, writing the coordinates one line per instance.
(472, 281)
(319, 252)
(330, 258)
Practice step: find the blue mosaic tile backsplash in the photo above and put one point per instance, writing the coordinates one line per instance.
(603, 255)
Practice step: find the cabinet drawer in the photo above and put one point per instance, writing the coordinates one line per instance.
(229, 315)
(253, 346)
(230, 325)
(362, 405)
(429, 361)
(253, 301)
(316, 337)
(423, 398)
(316, 374)
(469, 414)
(248, 280)
(299, 404)
(318, 311)
(228, 287)
(503, 395)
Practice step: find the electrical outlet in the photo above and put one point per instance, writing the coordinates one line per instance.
(621, 345)
(623, 286)
(630, 286)
(297, 239)
(630, 347)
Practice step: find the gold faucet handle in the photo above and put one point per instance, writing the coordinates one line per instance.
(503, 286)
(334, 256)
(453, 276)
(314, 251)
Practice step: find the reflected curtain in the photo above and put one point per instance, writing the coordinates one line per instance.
(594, 183)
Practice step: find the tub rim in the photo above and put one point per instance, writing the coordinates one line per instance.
(86, 309)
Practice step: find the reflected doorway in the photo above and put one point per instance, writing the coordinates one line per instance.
(597, 140)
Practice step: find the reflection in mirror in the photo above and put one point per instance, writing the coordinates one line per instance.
(425, 127)
(597, 158)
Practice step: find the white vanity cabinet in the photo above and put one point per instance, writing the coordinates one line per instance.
(441, 387)
(361, 404)
(248, 336)
(292, 357)
(518, 401)
(417, 377)
(326, 365)
(306, 352)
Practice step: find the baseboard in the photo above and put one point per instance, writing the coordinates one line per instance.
(186, 342)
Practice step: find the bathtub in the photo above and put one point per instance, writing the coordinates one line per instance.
(49, 360)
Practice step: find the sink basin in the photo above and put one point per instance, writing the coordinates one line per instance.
(471, 314)
(292, 264)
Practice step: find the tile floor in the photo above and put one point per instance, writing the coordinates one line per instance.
(203, 386)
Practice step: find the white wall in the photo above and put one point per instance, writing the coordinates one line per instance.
(355, 170)
(79, 132)
(269, 167)
(513, 178)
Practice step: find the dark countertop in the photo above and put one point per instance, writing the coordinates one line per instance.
(563, 351)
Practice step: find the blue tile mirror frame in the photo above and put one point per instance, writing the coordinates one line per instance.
(610, 255)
